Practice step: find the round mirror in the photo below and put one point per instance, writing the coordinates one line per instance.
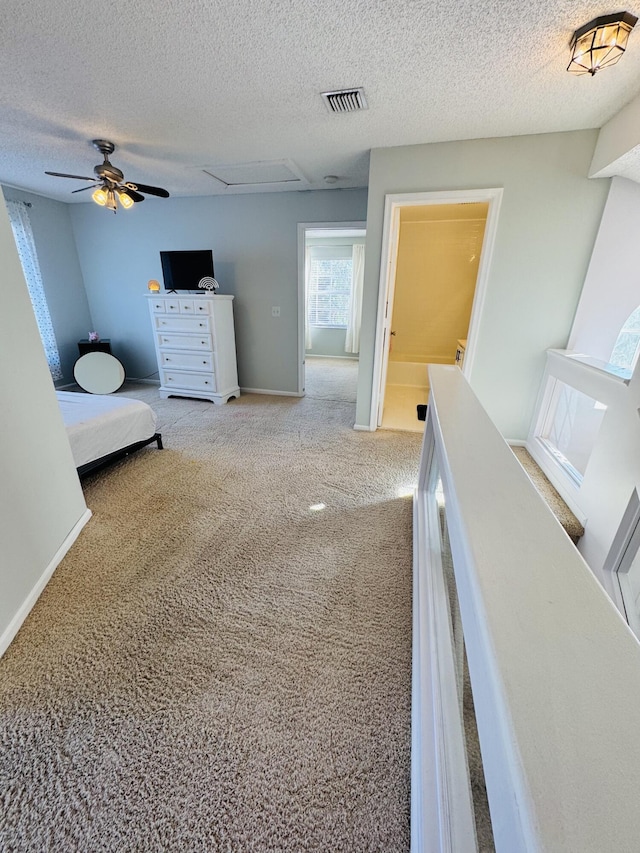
(99, 373)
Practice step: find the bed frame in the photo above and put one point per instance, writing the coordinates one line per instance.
(103, 461)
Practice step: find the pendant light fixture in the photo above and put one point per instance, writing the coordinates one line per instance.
(600, 43)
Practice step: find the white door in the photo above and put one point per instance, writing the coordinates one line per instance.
(388, 310)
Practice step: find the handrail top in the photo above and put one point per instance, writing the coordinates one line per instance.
(566, 665)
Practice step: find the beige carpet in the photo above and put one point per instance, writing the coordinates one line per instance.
(331, 378)
(558, 507)
(221, 664)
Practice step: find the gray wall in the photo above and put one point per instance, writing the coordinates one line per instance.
(40, 495)
(254, 242)
(61, 276)
(546, 231)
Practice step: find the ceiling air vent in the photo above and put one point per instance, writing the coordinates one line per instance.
(345, 100)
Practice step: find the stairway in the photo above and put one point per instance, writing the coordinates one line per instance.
(567, 519)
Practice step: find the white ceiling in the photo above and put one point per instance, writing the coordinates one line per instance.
(179, 86)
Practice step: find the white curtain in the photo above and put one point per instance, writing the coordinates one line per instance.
(352, 341)
(307, 271)
(23, 233)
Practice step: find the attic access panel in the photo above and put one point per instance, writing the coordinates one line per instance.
(260, 173)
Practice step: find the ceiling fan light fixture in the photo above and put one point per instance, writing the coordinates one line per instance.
(100, 196)
(111, 200)
(108, 183)
(125, 200)
(600, 43)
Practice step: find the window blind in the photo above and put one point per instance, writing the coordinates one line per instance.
(329, 285)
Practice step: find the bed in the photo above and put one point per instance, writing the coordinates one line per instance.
(103, 428)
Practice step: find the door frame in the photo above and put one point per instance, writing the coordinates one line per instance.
(303, 227)
(393, 203)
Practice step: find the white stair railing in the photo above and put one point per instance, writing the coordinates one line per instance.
(554, 669)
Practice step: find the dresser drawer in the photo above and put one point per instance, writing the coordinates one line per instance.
(172, 306)
(189, 381)
(201, 307)
(182, 324)
(187, 360)
(174, 340)
(186, 306)
(158, 306)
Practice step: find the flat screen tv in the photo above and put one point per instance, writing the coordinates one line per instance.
(186, 270)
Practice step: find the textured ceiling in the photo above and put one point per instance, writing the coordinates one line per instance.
(181, 86)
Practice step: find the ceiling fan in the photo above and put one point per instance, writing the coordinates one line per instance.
(108, 183)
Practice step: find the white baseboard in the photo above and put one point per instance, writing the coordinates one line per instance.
(143, 381)
(272, 393)
(515, 442)
(341, 357)
(363, 427)
(14, 626)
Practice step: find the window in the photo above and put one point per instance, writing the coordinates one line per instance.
(627, 346)
(329, 285)
(23, 234)
(571, 427)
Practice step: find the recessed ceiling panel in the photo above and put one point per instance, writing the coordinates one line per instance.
(256, 174)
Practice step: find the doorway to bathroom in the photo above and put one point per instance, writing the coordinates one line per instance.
(433, 273)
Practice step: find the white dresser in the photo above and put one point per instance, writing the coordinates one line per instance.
(195, 346)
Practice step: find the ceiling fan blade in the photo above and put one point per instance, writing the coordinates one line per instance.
(82, 189)
(144, 188)
(77, 177)
(133, 195)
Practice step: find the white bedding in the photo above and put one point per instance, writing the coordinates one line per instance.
(100, 424)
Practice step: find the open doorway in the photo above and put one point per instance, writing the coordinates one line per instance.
(331, 269)
(433, 274)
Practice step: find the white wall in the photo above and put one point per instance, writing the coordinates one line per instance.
(41, 501)
(254, 242)
(548, 222)
(617, 149)
(611, 292)
(612, 285)
(328, 341)
(612, 474)
(61, 276)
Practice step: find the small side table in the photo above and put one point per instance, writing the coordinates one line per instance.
(94, 346)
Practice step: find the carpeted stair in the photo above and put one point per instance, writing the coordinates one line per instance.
(567, 519)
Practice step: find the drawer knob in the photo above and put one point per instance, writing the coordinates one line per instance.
(166, 358)
(201, 325)
(165, 340)
(204, 362)
(203, 342)
(206, 381)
